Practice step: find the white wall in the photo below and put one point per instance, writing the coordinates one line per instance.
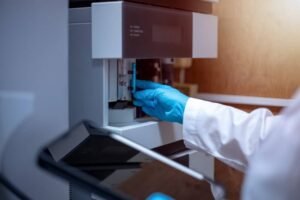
(33, 90)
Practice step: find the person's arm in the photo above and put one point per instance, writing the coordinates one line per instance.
(228, 134)
(273, 172)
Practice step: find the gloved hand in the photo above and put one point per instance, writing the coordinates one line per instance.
(160, 101)
(159, 196)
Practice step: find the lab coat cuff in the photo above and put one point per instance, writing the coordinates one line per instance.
(190, 116)
(195, 110)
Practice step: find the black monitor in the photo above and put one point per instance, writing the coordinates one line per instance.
(106, 165)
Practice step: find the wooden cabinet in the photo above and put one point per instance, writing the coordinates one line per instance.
(259, 50)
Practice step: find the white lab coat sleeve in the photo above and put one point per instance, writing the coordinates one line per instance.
(229, 134)
(273, 172)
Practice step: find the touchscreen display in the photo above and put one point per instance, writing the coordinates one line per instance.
(124, 169)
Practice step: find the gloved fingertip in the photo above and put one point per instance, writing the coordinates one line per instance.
(137, 103)
(139, 94)
(136, 95)
(147, 111)
(142, 84)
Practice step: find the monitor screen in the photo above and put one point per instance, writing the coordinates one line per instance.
(125, 169)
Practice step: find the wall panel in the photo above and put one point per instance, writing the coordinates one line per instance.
(259, 50)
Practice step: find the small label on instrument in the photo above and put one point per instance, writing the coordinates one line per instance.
(135, 31)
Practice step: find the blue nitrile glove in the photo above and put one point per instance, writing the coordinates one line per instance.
(160, 101)
(159, 196)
